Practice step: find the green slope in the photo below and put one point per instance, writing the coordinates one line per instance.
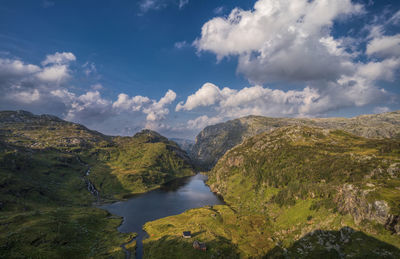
(296, 192)
(46, 209)
(213, 141)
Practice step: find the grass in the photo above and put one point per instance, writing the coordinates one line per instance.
(51, 232)
(46, 210)
(280, 190)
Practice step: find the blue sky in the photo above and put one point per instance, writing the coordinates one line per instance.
(178, 66)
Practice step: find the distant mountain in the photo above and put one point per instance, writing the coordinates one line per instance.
(185, 144)
(294, 192)
(213, 141)
(51, 171)
(338, 169)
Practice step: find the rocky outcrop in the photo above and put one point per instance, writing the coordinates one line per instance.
(334, 169)
(351, 199)
(213, 141)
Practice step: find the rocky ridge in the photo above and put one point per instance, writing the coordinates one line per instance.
(213, 141)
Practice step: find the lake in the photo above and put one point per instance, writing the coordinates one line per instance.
(172, 198)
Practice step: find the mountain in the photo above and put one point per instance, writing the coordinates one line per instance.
(295, 192)
(185, 144)
(52, 171)
(213, 141)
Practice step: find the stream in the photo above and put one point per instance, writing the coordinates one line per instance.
(172, 198)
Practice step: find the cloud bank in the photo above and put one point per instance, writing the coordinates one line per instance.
(47, 88)
(277, 44)
(283, 41)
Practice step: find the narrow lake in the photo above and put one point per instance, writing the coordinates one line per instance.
(172, 198)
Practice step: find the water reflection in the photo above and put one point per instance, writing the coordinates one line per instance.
(171, 199)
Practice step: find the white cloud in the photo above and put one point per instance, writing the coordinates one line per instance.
(55, 73)
(202, 121)
(281, 39)
(158, 110)
(207, 95)
(257, 100)
(56, 67)
(59, 58)
(64, 95)
(16, 68)
(88, 107)
(27, 96)
(379, 70)
(124, 102)
(292, 41)
(46, 89)
(384, 46)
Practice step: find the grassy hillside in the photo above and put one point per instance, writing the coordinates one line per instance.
(213, 141)
(298, 192)
(46, 208)
(137, 164)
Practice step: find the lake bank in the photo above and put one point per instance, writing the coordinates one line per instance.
(170, 199)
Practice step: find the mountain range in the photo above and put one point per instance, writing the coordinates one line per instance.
(213, 141)
(293, 188)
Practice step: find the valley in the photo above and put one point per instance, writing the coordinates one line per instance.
(46, 208)
(291, 188)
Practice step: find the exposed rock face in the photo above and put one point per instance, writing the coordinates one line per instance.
(43, 131)
(353, 200)
(333, 168)
(213, 141)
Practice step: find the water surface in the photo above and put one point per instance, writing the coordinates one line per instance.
(171, 199)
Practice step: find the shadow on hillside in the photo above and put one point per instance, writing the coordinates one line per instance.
(106, 183)
(175, 184)
(178, 247)
(344, 243)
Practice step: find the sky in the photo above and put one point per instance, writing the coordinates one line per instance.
(177, 66)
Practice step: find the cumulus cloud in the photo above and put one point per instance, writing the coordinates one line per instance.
(292, 41)
(55, 73)
(124, 102)
(16, 68)
(46, 88)
(59, 58)
(376, 70)
(158, 110)
(27, 96)
(281, 39)
(56, 67)
(18, 79)
(207, 95)
(257, 100)
(89, 107)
